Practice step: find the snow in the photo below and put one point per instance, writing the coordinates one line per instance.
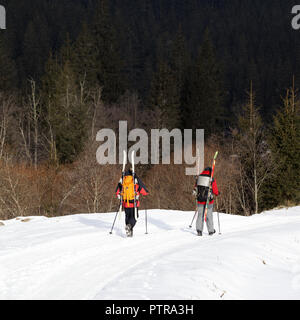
(75, 257)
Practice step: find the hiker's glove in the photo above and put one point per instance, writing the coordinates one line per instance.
(137, 197)
(194, 193)
(119, 196)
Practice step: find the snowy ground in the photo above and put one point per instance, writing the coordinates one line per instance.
(75, 257)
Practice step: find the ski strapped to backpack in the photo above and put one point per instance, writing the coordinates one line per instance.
(198, 173)
(122, 180)
(210, 186)
(136, 215)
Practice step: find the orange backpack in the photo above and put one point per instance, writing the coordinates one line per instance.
(128, 189)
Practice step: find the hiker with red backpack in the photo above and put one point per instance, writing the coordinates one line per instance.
(201, 191)
(129, 191)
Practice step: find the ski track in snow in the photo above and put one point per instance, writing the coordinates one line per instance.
(75, 257)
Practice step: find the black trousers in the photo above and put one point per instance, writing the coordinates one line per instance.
(129, 216)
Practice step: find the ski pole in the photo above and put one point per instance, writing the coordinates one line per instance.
(121, 197)
(115, 218)
(146, 220)
(219, 223)
(193, 217)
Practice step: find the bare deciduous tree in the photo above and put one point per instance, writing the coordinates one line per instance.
(254, 156)
(6, 109)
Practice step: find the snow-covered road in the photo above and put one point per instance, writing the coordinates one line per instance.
(75, 257)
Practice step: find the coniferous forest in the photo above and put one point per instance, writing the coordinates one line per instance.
(71, 67)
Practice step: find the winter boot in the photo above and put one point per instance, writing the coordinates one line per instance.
(199, 233)
(211, 233)
(128, 229)
(130, 233)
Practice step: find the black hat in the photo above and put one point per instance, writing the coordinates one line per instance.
(128, 172)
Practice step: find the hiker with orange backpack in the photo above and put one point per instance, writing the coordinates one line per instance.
(129, 190)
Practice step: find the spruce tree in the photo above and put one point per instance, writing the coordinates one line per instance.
(8, 71)
(84, 59)
(64, 112)
(35, 49)
(284, 187)
(203, 98)
(165, 97)
(97, 55)
(179, 58)
(109, 63)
